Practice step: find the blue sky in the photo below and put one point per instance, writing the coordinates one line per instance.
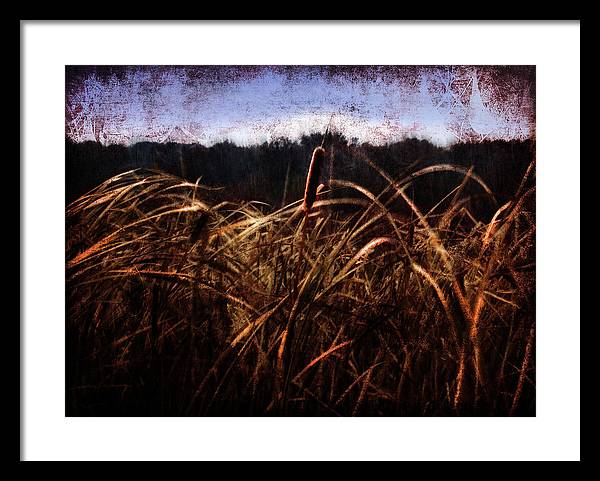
(249, 105)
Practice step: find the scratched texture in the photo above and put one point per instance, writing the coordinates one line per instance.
(253, 104)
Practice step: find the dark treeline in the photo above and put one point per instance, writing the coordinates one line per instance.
(274, 170)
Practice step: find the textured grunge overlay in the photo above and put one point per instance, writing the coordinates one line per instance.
(253, 104)
(300, 241)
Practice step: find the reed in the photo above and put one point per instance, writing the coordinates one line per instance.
(313, 178)
(179, 303)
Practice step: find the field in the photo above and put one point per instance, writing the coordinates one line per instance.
(352, 300)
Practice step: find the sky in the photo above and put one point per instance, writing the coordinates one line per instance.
(253, 104)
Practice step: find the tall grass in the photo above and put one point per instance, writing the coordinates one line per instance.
(335, 304)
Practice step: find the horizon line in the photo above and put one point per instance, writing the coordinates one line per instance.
(298, 141)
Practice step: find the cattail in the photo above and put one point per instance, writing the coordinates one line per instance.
(312, 180)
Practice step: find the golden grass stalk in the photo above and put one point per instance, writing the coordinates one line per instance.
(350, 387)
(363, 391)
(523, 373)
(320, 358)
(364, 252)
(441, 297)
(459, 380)
(365, 386)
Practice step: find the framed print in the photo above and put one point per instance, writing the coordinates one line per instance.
(293, 250)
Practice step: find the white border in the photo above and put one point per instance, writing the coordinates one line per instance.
(552, 434)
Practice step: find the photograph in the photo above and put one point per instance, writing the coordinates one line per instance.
(300, 240)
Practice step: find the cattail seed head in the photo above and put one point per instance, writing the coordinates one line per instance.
(312, 180)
